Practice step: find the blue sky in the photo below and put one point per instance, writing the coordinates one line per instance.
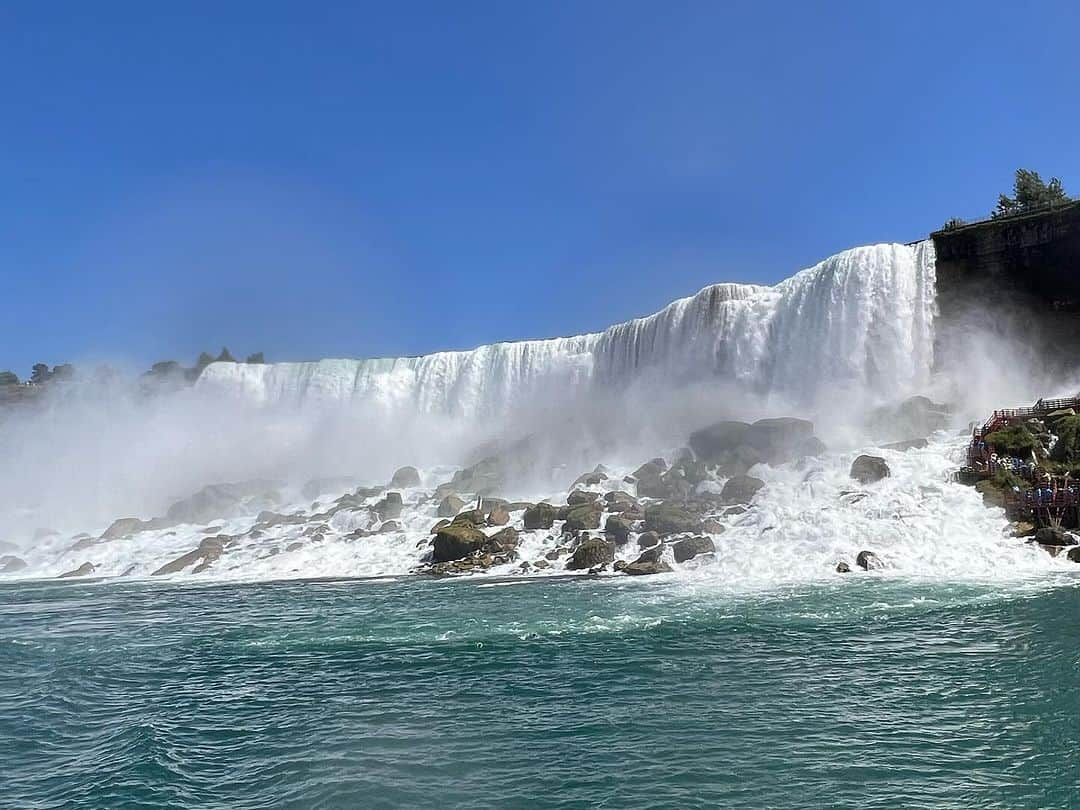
(311, 180)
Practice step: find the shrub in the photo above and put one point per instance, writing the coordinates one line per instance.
(1014, 440)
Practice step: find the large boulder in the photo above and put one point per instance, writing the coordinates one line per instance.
(456, 541)
(10, 564)
(1047, 536)
(868, 561)
(224, 501)
(618, 529)
(540, 516)
(740, 489)
(207, 553)
(498, 516)
(666, 518)
(84, 570)
(123, 527)
(485, 477)
(503, 541)
(450, 506)
(591, 553)
(583, 516)
(713, 442)
(389, 507)
(619, 501)
(405, 478)
(913, 418)
(780, 439)
(691, 547)
(869, 469)
(470, 517)
(579, 497)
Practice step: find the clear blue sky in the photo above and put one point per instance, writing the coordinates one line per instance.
(405, 177)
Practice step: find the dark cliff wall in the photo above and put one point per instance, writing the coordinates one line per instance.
(1018, 278)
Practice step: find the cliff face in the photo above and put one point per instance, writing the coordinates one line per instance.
(1018, 277)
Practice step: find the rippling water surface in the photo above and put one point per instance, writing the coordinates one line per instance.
(869, 693)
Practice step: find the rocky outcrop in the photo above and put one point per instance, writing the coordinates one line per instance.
(405, 478)
(869, 469)
(843, 568)
(540, 516)
(389, 508)
(713, 442)
(667, 518)
(207, 553)
(583, 516)
(618, 529)
(591, 553)
(84, 570)
(456, 541)
(498, 516)
(869, 561)
(740, 489)
(691, 547)
(450, 506)
(504, 541)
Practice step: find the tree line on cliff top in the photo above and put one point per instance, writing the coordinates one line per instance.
(41, 374)
(1030, 193)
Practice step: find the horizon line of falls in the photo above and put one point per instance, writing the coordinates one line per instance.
(862, 318)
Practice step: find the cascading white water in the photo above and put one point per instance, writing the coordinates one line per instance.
(861, 321)
(861, 318)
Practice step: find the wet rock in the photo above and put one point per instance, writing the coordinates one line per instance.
(843, 568)
(691, 547)
(711, 443)
(389, 507)
(992, 494)
(385, 528)
(450, 506)
(293, 547)
(405, 478)
(618, 529)
(907, 444)
(637, 569)
(781, 439)
(592, 552)
(915, 416)
(84, 570)
(1022, 529)
(554, 554)
(442, 524)
(540, 565)
(584, 516)
(456, 541)
(669, 486)
(208, 552)
(485, 477)
(579, 497)
(667, 518)
(591, 479)
(541, 516)
(869, 469)
(503, 541)
(710, 526)
(470, 517)
(1073, 554)
(1048, 536)
(619, 501)
(740, 489)
(869, 561)
(618, 565)
(651, 555)
(498, 517)
(648, 539)
(10, 564)
(218, 501)
(324, 486)
(124, 527)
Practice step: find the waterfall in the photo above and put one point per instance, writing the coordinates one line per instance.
(863, 317)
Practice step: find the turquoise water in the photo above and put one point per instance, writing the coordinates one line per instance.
(867, 693)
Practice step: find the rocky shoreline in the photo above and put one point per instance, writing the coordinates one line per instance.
(665, 514)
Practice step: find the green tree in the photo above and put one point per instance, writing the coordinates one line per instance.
(40, 374)
(204, 360)
(225, 356)
(1030, 193)
(257, 357)
(9, 378)
(953, 223)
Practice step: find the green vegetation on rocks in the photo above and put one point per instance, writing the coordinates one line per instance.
(1013, 440)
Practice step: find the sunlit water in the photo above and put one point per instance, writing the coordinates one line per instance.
(864, 692)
